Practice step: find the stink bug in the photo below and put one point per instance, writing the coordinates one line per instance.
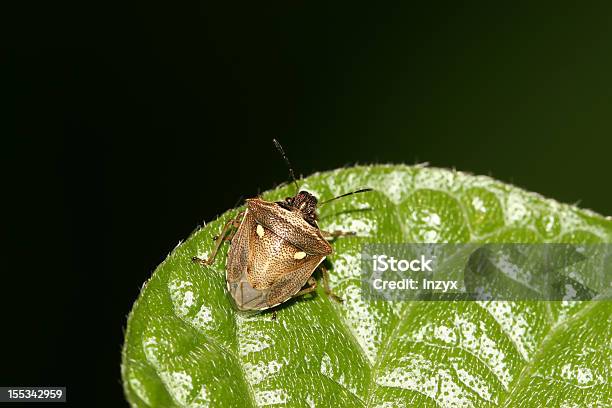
(275, 249)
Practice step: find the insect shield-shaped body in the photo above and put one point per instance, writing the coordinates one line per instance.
(275, 249)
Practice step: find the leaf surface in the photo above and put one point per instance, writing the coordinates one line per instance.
(186, 346)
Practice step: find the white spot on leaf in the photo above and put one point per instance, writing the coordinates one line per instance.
(271, 397)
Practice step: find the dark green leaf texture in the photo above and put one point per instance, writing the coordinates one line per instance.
(186, 346)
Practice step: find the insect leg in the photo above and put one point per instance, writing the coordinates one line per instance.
(334, 234)
(234, 222)
(329, 292)
(312, 286)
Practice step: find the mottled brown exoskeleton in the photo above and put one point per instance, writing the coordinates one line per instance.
(275, 249)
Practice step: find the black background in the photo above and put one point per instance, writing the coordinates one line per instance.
(127, 125)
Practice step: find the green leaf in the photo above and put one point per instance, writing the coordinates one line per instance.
(186, 346)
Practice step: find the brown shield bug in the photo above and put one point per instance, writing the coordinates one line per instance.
(275, 247)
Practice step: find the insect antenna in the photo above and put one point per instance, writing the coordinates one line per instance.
(282, 152)
(363, 190)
